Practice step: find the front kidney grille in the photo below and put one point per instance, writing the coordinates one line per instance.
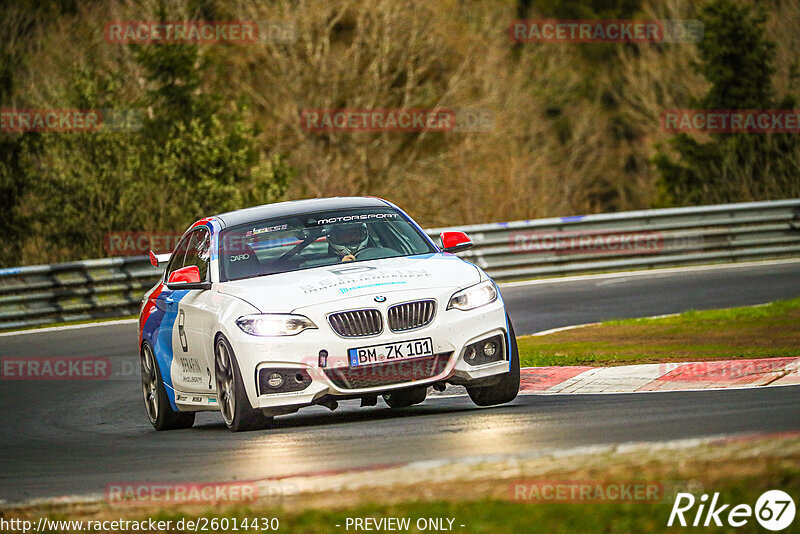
(368, 376)
(356, 323)
(411, 315)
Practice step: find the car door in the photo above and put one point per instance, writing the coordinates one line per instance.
(195, 321)
(165, 341)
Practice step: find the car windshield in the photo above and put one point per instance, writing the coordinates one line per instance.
(317, 239)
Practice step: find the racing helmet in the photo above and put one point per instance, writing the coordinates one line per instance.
(348, 238)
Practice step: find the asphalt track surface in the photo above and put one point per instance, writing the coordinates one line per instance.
(66, 438)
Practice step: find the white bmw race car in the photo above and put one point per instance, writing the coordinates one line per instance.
(269, 309)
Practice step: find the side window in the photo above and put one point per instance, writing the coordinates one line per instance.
(199, 252)
(178, 256)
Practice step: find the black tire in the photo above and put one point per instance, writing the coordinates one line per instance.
(235, 407)
(156, 403)
(507, 389)
(406, 397)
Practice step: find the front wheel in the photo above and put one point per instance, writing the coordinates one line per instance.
(405, 397)
(156, 402)
(507, 388)
(236, 410)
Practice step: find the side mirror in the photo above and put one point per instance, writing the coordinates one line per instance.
(455, 241)
(156, 260)
(187, 278)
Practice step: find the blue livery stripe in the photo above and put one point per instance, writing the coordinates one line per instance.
(162, 341)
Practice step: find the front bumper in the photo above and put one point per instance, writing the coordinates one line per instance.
(451, 331)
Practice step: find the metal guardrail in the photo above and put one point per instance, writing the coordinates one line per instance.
(90, 289)
(113, 287)
(658, 238)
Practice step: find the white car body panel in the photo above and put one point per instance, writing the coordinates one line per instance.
(285, 292)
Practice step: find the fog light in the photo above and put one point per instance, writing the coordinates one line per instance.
(275, 380)
(469, 355)
(489, 348)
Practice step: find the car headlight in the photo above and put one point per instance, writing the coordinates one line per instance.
(474, 296)
(273, 324)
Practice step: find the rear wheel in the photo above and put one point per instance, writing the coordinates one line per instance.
(156, 402)
(507, 388)
(237, 412)
(406, 397)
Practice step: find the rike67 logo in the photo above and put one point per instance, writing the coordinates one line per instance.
(774, 510)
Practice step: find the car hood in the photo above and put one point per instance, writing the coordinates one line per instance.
(285, 292)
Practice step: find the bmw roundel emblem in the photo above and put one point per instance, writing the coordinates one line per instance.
(380, 298)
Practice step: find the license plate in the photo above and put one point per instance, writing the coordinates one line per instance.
(390, 352)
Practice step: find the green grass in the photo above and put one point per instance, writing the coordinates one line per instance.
(774, 310)
(766, 331)
(499, 516)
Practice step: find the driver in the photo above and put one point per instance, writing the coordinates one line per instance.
(348, 239)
